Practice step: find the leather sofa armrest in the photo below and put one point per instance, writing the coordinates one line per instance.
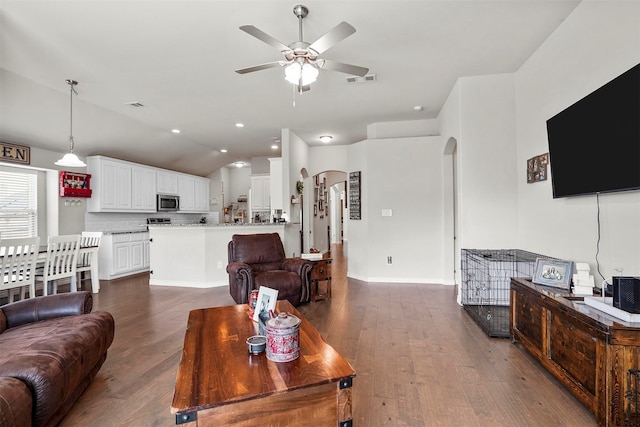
(15, 403)
(240, 281)
(238, 267)
(47, 307)
(297, 265)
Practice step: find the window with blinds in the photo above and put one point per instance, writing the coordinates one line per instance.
(18, 205)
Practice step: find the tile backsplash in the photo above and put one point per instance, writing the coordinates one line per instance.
(110, 222)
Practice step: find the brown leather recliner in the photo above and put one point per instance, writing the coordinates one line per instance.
(259, 260)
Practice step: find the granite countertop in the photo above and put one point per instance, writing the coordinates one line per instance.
(261, 224)
(126, 231)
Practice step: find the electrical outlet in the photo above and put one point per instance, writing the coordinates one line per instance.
(219, 264)
(389, 260)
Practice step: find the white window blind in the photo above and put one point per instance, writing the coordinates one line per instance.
(18, 205)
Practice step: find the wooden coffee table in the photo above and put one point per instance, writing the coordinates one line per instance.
(220, 384)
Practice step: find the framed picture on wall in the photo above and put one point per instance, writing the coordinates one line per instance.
(354, 195)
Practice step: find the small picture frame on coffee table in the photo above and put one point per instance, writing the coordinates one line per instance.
(266, 301)
(553, 272)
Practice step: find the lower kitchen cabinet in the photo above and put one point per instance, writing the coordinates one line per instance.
(123, 254)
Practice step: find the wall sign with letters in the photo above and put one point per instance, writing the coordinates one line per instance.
(15, 153)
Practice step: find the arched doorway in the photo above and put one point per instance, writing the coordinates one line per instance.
(326, 209)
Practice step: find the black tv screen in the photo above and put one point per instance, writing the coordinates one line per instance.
(594, 145)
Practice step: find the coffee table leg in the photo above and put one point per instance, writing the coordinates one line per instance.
(345, 402)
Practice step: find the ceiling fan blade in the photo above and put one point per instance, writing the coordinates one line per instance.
(355, 70)
(338, 33)
(259, 67)
(261, 35)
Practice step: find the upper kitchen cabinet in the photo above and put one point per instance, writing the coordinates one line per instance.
(111, 185)
(202, 195)
(120, 186)
(194, 193)
(167, 182)
(260, 193)
(275, 184)
(143, 189)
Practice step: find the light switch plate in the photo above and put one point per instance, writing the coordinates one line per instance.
(386, 212)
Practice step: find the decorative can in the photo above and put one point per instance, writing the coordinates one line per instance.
(283, 336)
(253, 299)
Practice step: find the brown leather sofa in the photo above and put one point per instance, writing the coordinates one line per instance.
(259, 260)
(51, 349)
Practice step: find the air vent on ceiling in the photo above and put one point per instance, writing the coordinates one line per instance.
(358, 79)
(134, 104)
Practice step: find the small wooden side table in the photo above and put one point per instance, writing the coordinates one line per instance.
(321, 279)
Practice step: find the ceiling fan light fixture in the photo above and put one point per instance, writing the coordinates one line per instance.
(70, 160)
(309, 73)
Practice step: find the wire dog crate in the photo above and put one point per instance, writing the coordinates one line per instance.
(486, 284)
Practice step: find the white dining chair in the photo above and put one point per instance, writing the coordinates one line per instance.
(60, 262)
(18, 265)
(88, 258)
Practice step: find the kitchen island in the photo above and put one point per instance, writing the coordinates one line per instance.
(196, 255)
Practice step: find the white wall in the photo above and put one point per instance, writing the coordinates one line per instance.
(408, 186)
(328, 157)
(596, 43)
(60, 219)
(295, 157)
(487, 179)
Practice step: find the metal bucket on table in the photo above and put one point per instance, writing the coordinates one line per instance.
(283, 337)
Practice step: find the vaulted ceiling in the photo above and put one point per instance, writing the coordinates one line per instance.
(178, 59)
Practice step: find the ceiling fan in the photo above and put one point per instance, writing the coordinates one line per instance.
(301, 59)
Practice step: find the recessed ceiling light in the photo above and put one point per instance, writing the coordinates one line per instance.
(239, 125)
(326, 138)
(175, 130)
(224, 150)
(274, 147)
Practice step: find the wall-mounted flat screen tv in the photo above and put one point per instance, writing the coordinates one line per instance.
(594, 145)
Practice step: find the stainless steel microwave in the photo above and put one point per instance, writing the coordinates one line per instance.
(167, 202)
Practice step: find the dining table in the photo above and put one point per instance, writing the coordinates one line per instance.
(93, 249)
(95, 282)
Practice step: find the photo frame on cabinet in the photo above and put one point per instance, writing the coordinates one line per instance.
(553, 272)
(266, 301)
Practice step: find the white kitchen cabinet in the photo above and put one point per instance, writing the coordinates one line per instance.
(275, 183)
(111, 185)
(120, 186)
(202, 195)
(186, 191)
(260, 193)
(143, 189)
(123, 254)
(167, 182)
(194, 193)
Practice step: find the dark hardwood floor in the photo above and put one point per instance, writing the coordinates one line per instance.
(420, 359)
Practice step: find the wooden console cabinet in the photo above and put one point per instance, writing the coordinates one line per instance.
(321, 279)
(588, 351)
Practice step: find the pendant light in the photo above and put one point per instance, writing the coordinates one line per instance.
(70, 160)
